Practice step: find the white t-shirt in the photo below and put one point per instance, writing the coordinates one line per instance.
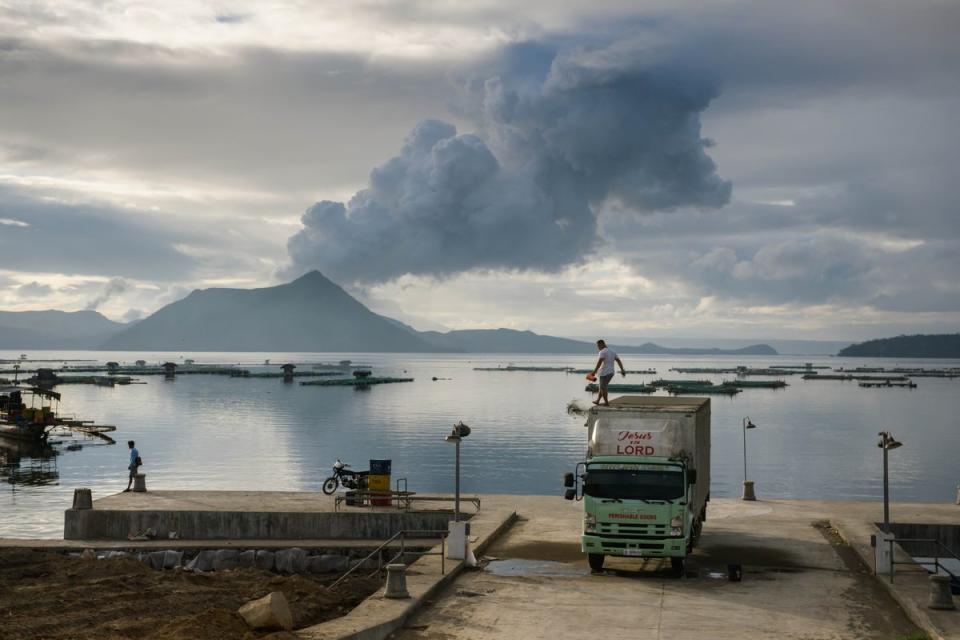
(608, 357)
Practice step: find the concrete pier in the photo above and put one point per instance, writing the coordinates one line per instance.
(241, 515)
(806, 567)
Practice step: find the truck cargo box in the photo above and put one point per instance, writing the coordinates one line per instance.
(645, 426)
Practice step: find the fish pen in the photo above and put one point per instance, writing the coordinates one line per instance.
(622, 388)
(754, 384)
(353, 382)
(522, 368)
(638, 372)
(877, 385)
(681, 383)
(678, 390)
(771, 372)
(814, 376)
(295, 374)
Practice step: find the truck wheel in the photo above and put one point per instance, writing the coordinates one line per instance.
(677, 565)
(596, 561)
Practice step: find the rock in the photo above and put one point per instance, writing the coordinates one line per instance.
(315, 564)
(247, 559)
(172, 559)
(155, 559)
(89, 554)
(265, 560)
(203, 561)
(291, 560)
(269, 612)
(327, 564)
(225, 559)
(116, 554)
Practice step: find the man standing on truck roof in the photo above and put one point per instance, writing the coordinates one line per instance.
(605, 366)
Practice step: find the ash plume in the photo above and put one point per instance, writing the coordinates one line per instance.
(558, 133)
(114, 287)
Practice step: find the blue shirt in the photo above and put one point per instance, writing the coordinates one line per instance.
(134, 454)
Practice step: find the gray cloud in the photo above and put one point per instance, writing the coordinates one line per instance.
(231, 18)
(132, 315)
(87, 239)
(845, 108)
(194, 116)
(34, 290)
(559, 133)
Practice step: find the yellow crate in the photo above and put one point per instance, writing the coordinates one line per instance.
(378, 483)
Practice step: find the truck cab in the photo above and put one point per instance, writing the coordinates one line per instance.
(645, 480)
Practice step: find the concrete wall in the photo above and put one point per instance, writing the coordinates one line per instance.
(102, 524)
(947, 534)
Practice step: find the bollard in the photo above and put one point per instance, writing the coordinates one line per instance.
(748, 493)
(140, 482)
(940, 596)
(734, 572)
(82, 499)
(396, 581)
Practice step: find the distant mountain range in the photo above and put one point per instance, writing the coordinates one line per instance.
(945, 345)
(55, 329)
(512, 341)
(311, 314)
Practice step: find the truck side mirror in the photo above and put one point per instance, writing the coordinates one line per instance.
(568, 480)
(570, 494)
(692, 476)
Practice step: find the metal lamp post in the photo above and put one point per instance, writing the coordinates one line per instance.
(748, 493)
(460, 431)
(887, 443)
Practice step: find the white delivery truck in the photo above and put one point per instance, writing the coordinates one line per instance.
(645, 481)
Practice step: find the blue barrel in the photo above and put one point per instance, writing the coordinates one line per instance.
(381, 467)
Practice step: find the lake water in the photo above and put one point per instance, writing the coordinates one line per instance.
(814, 439)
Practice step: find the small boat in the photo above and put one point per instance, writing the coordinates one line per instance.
(27, 423)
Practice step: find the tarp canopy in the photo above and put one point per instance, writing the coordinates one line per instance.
(43, 393)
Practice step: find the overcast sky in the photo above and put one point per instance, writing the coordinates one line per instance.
(748, 169)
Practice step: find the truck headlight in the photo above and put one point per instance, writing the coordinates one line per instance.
(676, 522)
(676, 532)
(589, 523)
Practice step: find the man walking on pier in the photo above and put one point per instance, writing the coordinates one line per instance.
(605, 366)
(134, 463)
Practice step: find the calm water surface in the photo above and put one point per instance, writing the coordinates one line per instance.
(814, 439)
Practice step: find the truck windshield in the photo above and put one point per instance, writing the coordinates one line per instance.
(634, 482)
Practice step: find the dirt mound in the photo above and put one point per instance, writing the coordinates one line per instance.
(52, 596)
(212, 623)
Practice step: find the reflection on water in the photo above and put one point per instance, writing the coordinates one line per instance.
(813, 439)
(27, 464)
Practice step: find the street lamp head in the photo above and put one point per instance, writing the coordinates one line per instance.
(459, 432)
(748, 424)
(887, 441)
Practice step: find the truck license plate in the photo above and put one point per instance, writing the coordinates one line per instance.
(633, 552)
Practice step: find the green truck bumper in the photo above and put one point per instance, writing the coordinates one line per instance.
(634, 547)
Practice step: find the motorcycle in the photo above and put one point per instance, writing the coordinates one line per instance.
(343, 474)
